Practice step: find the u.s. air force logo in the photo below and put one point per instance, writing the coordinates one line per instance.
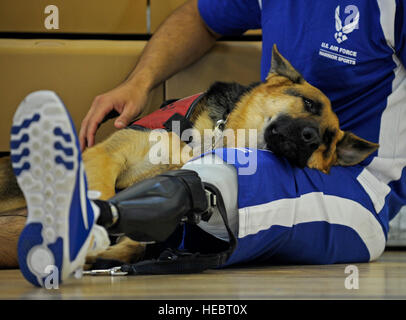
(342, 53)
(351, 22)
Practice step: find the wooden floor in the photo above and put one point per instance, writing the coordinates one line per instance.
(383, 279)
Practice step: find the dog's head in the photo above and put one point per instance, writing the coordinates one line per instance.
(295, 120)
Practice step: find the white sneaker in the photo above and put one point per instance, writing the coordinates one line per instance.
(47, 162)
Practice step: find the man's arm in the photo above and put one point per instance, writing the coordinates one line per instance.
(182, 39)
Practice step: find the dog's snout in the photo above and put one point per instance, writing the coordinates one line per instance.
(311, 136)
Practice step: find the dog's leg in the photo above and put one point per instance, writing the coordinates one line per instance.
(139, 165)
(126, 250)
(11, 225)
(11, 196)
(12, 214)
(129, 156)
(104, 163)
(102, 170)
(120, 157)
(152, 158)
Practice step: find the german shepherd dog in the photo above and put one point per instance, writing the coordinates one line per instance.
(292, 119)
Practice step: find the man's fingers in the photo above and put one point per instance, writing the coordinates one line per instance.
(120, 100)
(98, 110)
(93, 124)
(83, 132)
(129, 112)
(84, 127)
(82, 142)
(91, 132)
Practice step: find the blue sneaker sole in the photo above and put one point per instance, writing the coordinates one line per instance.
(45, 159)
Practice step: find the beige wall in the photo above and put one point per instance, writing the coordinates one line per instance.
(161, 9)
(87, 16)
(76, 70)
(227, 61)
(78, 16)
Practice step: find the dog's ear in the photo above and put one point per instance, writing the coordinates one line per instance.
(282, 67)
(351, 149)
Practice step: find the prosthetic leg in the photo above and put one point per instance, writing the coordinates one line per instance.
(150, 211)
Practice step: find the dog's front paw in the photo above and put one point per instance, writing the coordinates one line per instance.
(125, 251)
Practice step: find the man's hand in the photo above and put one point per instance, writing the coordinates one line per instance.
(128, 100)
(180, 40)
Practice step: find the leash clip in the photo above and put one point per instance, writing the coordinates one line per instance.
(218, 132)
(116, 271)
(220, 124)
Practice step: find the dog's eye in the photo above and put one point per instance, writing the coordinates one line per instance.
(308, 104)
(311, 106)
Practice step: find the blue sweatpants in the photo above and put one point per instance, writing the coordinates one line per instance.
(283, 214)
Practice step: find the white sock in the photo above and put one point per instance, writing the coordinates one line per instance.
(100, 239)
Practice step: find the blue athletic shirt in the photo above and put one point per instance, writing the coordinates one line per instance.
(352, 50)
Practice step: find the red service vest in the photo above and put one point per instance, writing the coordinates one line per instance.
(180, 110)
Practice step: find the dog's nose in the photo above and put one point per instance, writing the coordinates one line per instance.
(311, 136)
